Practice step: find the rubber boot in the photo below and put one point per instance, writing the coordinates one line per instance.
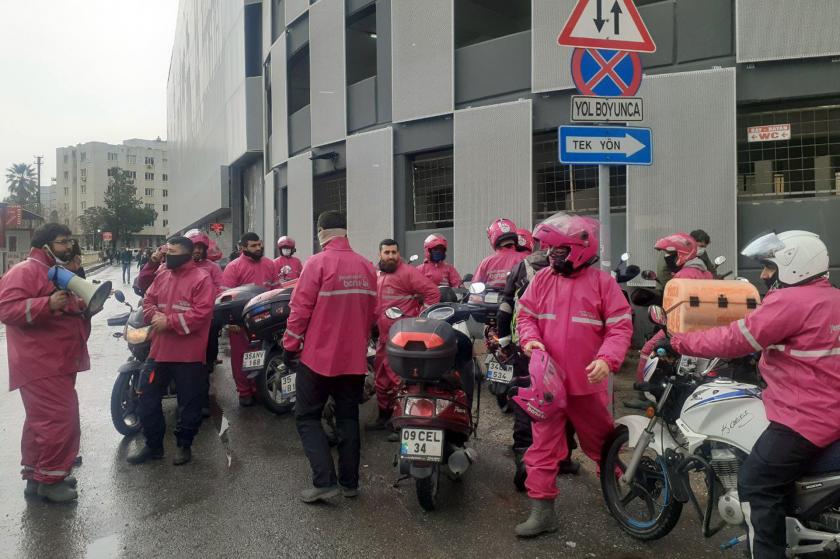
(57, 492)
(521, 473)
(542, 520)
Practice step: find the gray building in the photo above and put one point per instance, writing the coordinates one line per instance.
(440, 115)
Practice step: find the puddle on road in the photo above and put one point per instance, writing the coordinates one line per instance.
(103, 548)
(223, 426)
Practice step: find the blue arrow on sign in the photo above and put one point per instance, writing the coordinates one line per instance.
(605, 145)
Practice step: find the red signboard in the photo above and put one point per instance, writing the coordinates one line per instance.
(771, 133)
(14, 216)
(107, 236)
(217, 228)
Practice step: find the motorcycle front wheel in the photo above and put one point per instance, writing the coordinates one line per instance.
(269, 383)
(427, 489)
(124, 405)
(644, 508)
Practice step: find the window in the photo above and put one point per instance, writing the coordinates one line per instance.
(150, 176)
(165, 162)
(253, 40)
(559, 187)
(165, 177)
(329, 193)
(165, 222)
(131, 159)
(804, 166)
(150, 192)
(84, 189)
(66, 192)
(299, 80)
(150, 161)
(112, 156)
(83, 156)
(13, 244)
(165, 193)
(477, 21)
(112, 171)
(130, 174)
(432, 190)
(83, 172)
(166, 207)
(84, 205)
(65, 158)
(150, 206)
(66, 176)
(361, 45)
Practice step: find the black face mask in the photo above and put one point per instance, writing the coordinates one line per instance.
(388, 267)
(174, 261)
(437, 254)
(253, 255)
(671, 262)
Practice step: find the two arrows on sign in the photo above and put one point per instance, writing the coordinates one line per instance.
(587, 28)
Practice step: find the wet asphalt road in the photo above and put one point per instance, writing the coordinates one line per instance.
(239, 495)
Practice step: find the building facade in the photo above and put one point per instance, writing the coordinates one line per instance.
(83, 172)
(441, 115)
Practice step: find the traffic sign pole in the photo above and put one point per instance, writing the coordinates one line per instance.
(604, 215)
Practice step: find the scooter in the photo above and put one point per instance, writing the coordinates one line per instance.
(433, 355)
(701, 419)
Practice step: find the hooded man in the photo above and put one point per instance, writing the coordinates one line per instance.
(288, 265)
(434, 266)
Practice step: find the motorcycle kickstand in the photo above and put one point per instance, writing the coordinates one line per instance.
(401, 479)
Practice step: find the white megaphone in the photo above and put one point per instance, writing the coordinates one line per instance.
(94, 296)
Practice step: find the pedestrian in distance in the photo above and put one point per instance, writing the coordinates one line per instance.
(179, 307)
(46, 339)
(126, 259)
(337, 287)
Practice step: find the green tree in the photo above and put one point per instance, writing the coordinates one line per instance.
(23, 188)
(124, 213)
(92, 222)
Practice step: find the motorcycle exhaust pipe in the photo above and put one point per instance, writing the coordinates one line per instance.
(461, 459)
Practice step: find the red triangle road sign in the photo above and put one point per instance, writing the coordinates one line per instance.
(606, 24)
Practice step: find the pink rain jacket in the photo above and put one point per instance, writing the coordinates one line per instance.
(405, 288)
(288, 267)
(151, 269)
(185, 295)
(41, 343)
(333, 309)
(245, 270)
(494, 269)
(798, 330)
(440, 273)
(578, 319)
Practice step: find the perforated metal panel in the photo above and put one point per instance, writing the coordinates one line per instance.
(328, 87)
(294, 9)
(279, 105)
(691, 184)
(370, 190)
(550, 63)
(492, 175)
(422, 61)
(299, 200)
(780, 29)
(269, 220)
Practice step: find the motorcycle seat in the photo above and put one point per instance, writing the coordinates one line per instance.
(827, 461)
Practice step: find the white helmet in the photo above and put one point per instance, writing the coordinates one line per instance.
(800, 256)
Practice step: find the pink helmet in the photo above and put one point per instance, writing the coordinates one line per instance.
(578, 233)
(285, 242)
(198, 237)
(214, 253)
(501, 230)
(682, 244)
(547, 393)
(526, 240)
(432, 241)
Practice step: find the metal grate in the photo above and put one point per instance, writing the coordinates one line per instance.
(329, 194)
(433, 194)
(805, 166)
(559, 187)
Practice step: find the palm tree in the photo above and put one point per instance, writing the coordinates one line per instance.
(23, 188)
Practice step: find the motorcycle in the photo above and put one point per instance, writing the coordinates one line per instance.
(433, 354)
(703, 419)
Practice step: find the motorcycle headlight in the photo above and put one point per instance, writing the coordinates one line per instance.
(137, 335)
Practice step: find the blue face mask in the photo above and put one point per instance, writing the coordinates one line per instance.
(437, 254)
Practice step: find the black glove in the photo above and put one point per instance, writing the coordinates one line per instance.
(663, 348)
(291, 359)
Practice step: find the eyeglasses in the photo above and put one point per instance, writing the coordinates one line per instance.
(65, 242)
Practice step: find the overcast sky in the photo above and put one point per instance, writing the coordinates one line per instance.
(73, 71)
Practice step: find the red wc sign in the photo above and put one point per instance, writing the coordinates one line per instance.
(772, 133)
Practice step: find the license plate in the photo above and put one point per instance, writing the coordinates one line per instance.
(287, 384)
(496, 372)
(421, 444)
(491, 298)
(253, 360)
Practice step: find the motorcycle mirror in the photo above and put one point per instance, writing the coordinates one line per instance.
(649, 275)
(468, 278)
(117, 334)
(413, 258)
(393, 313)
(625, 257)
(742, 278)
(720, 261)
(477, 287)
(657, 315)
(119, 296)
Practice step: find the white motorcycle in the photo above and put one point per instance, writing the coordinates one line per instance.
(702, 421)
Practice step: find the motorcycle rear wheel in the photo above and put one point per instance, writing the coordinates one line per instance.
(656, 512)
(268, 385)
(427, 489)
(124, 404)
